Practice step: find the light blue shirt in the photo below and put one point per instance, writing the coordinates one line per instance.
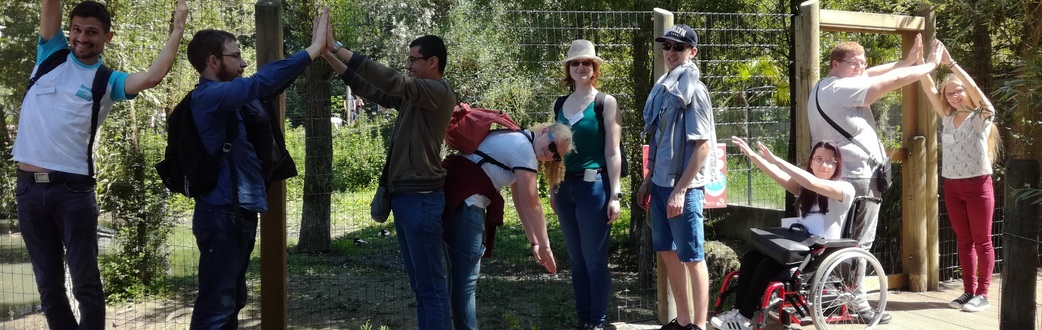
(678, 112)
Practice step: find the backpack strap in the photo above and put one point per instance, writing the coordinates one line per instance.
(97, 90)
(48, 65)
(598, 110)
(559, 104)
(226, 150)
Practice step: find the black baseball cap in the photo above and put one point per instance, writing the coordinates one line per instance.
(680, 33)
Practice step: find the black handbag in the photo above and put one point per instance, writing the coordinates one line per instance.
(882, 175)
(788, 246)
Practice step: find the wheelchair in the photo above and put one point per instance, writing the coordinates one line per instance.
(823, 287)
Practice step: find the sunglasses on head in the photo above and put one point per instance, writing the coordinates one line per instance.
(679, 47)
(553, 145)
(583, 63)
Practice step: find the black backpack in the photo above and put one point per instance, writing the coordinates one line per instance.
(186, 167)
(598, 109)
(97, 90)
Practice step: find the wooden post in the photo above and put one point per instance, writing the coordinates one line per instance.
(928, 124)
(913, 238)
(808, 68)
(667, 309)
(1020, 247)
(273, 223)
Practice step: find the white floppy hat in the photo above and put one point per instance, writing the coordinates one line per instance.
(581, 49)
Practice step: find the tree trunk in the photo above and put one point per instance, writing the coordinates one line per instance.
(983, 50)
(318, 161)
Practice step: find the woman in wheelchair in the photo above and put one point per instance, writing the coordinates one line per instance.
(823, 201)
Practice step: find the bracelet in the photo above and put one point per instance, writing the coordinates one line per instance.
(337, 47)
(952, 64)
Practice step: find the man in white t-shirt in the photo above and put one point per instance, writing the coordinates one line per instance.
(57, 209)
(846, 96)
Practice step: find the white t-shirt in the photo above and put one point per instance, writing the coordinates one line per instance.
(829, 225)
(965, 148)
(511, 148)
(841, 100)
(54, 123)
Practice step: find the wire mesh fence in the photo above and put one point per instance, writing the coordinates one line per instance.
(745, 62)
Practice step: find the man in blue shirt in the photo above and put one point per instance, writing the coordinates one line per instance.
(226, 234)
(57, 208)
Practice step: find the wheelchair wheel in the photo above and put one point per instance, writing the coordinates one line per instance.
(838, 294)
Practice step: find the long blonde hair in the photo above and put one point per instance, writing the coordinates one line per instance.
(553, 170)
(994, 139)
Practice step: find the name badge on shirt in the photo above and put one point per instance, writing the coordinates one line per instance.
(948, 138)
(576, 118)
(43, 87)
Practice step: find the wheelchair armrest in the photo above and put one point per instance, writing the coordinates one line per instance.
(837, 243)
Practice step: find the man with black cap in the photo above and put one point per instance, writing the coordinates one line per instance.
(678, 118)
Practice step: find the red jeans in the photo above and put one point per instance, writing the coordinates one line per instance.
(971, 203)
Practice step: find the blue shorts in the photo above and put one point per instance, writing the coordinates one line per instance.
(683, 233)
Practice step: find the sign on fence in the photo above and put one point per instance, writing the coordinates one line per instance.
(716, 191)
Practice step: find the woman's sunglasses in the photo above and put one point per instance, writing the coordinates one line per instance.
(674, 47)
(553, 145)
(583, 63)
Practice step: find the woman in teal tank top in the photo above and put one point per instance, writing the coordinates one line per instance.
(587, 200)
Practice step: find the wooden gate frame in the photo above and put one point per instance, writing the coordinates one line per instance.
(918, 151)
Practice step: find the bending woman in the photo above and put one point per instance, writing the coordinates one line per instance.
(587, 200)
(969, 145)
(823, 199)
(474, 206)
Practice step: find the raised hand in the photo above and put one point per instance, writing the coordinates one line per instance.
(766, 153)
(319, 29)
(180, 15)
(915, 54)
(936, 51)
(742, 146)
(330, 40)
(946, 57)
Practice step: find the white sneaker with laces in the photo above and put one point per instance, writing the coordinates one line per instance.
(961, 300)
(731, 320)
(976, 304)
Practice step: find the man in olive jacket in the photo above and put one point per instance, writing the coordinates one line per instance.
(413, 173)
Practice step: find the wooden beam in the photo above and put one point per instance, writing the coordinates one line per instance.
(667, 308)
(849, 21)
(273, 223)
(913, 226)
(808, 70)
(927, 125)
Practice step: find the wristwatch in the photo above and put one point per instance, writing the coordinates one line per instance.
(337, 47)
(617, 196)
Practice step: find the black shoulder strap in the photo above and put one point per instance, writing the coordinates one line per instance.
(97, 90)
(485, 158)
(48, 65)
(598, 110)
(559, 105)
(817, 103)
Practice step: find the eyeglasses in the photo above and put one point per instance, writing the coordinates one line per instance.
(553, 146)
(954, 92)
(412, 59)
(583, 63)
(674, 47)
(856, 63)
(821, 161)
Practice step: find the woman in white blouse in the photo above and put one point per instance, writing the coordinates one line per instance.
(969, 146)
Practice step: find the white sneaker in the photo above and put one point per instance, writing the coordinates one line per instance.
(731, 320)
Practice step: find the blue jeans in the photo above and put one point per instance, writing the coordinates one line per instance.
(59, 220)
(225, 239)
(463, 233)
(582, 209)
(417, 219)
(683, 233)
